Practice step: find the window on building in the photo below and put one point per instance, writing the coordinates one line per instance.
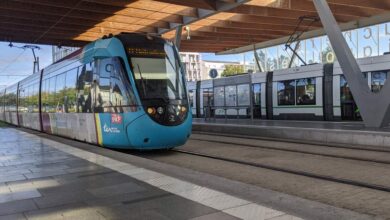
(306, 91)
(286, 92)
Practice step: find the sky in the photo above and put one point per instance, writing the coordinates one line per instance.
(16, 63)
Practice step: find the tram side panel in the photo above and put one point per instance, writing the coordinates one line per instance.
(67, 101)
(298, 93)
(375, 70)
(232, 96)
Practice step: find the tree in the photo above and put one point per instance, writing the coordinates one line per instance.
(231, 70)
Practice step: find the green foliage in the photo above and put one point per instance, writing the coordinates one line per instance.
(2, 124)
(232, 70)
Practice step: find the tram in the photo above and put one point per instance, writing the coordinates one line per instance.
(312, 92)
(126, 91)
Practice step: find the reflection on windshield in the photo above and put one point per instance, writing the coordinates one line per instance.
(159, 77)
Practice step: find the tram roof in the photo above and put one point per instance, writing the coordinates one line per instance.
(221, 26)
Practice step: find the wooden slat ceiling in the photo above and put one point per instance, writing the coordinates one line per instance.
(76, 22)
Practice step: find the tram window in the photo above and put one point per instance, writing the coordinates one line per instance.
(28, 99)
(84, 84)
(35, 98)
(219, 96)
(52, 95)
(243, 95)
(29, 104)
(306, 91)
(345, 92)
(102, 99)
(286, 92)
(191, 97)
(60, 93)
(256, 94)
(45, 95)
(378, 79)
(231, 95)
(14, 99)
(70, 91)
(21, 99)
(208, 97)
(122, 95)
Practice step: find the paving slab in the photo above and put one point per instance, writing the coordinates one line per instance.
(53, 180)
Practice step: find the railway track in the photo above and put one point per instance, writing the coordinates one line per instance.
(332, 155)
(331, 145)
(287, 170)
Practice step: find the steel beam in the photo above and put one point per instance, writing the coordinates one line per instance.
(204, 13)
(374, 107)
(179, 30)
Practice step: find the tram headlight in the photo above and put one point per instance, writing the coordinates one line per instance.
(151, 111)
(183, 109)
(160, 110)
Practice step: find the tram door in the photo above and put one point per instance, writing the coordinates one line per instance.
(349, 109)
(256, 91)
(208, 102)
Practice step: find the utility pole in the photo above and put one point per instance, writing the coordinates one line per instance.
(33, 48)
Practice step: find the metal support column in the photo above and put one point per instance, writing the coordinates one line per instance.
(179, 30)
(374, 107)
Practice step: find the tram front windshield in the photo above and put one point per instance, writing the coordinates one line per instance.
(158, 73)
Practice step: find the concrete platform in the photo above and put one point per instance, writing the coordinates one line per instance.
(45, 179)
(321, 132)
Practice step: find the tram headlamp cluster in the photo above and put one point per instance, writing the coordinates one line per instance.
(154, 111)
(168, 114)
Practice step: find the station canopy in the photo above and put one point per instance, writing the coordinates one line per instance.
(221, 26)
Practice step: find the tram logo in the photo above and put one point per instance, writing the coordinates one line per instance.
(116, 119)
(108, 129)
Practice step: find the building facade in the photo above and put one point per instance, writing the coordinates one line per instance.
(192, 63)
(61, 52)
(220, 66)
(364, 42)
